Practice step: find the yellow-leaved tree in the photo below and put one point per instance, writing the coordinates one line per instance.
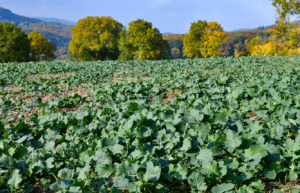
(142, 42)
(203, 40)
(41, 48)
(95, 38)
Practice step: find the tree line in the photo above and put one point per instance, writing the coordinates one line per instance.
(103, 38)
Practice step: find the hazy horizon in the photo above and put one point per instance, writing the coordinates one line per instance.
(167, 15)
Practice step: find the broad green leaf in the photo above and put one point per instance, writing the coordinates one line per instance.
(22, 139)
(179, 172)
(257, 184)
(105, 170)
(187, 144)
(49, 162)
(273, 152)
(232, 141)
(102, 157)
(210, 168)
(121, 182)
(134, 186)
(205, 155)
(20, 152)
(222, 188)
(66, 173)
(80, 116)
(84, 172)
(128, 170)
(11, 151)
(15, 180)
(153, 172)
(296, 190)
(6, 161)
(270, 174)
(118, 149)
(74, 189)
(196, 114)
(221, 118)
(49, 145)
(255, 152)
(197, 181)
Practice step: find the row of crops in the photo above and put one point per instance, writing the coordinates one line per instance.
(205, 125)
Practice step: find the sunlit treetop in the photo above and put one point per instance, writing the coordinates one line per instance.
(287, 7)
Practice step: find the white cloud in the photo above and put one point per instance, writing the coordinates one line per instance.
(157, 3)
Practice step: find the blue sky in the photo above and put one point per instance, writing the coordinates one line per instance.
(167, 15)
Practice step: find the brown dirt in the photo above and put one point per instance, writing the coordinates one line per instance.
(14, 89)
(47, 97)
(286, 187)
(169, 98)
(118, 79)
(116, 75)
(39, 189)
(60, 75)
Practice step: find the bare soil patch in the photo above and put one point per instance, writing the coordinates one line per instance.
(118, 79)
(59, 75)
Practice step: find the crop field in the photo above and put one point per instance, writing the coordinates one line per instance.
(204, 125)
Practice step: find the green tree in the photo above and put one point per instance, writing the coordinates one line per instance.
(14, 44)
(142, 42)
(41, 48)
(95, 38)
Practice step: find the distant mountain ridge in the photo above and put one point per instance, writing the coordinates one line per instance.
(7, 16)
(52, 19)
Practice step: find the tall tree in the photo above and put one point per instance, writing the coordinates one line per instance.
(287, 7)
(203, 40)
(213, 39)
(41, 48)
(14, 44)
(95, 38)
(193, 40)
(142, 42)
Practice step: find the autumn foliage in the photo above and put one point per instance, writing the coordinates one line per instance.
(283, 42)
(95, 38)
(203, 40)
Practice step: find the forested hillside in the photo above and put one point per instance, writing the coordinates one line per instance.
(57, 33)
(236, 40)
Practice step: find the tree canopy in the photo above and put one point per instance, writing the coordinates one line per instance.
(142, 42)
(287, 7)
(41, 48)
(203, 40)
(95, 38)
(14, 44)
